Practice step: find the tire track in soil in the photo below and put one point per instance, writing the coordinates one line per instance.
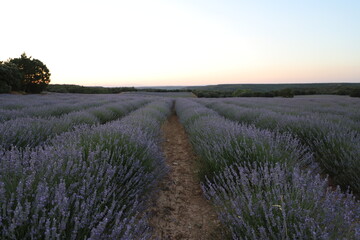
(180, 210)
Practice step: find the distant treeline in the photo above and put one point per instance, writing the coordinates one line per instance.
(275, 87)
(352, 90)
(67, 88)
(243, 93)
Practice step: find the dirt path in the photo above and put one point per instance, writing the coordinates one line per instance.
(180, 210)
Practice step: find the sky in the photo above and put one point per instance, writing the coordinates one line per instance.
(185, 42)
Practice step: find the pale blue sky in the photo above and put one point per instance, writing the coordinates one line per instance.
(158, 42)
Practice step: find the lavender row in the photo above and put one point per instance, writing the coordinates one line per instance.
(53, 110)
(334, 114)
(255, 180)
(18, 102)
(328, 106)
(22, 132)
(335, 146)
(91, 183)
(13, 102)
(222, 142)
(258, 114)
(54, 106)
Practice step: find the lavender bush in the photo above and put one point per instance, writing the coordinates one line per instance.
(62, 194)
(273, 202)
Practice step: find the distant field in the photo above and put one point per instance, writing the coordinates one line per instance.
(81, 166)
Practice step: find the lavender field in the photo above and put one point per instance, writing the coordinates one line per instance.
(279, 168)
(78, 166)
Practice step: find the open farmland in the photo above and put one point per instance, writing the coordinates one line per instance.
(147, 166)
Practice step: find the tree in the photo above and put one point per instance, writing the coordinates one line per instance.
(10, 77)
(35, 74)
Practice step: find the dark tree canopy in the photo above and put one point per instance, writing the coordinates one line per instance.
(10, 77)
(35, 74)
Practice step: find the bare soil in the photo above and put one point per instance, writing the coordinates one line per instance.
(180, 210)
